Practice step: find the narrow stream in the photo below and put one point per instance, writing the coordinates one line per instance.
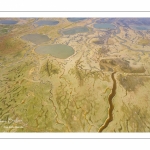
(111, 106)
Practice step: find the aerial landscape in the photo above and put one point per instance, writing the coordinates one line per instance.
(74, 74)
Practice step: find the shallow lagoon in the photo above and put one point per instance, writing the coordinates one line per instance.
(8, 22)
(141, 27)
(75, 19)
(58, 50)
(104, 26)
(36, 38)
(75, 30)
(47, 22)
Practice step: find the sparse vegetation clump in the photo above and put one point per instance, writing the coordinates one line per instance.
(50, 68)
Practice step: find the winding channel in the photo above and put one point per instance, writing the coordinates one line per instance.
(111, 106)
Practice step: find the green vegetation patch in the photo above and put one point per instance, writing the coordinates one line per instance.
(50, 67)
(11, 45)
(4, 29)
